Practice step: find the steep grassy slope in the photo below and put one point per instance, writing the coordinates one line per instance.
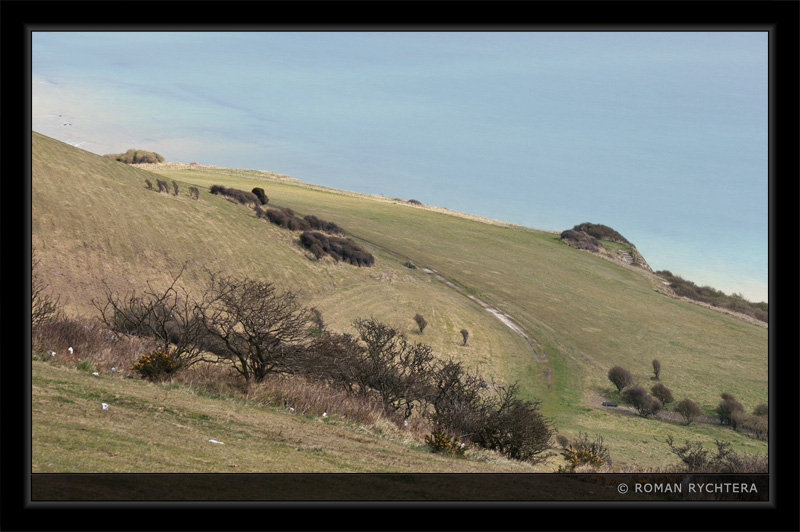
(95, 223)
(587, 313)
(94, 220)
(162, 429)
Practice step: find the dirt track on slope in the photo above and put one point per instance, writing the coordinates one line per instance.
(508, 320)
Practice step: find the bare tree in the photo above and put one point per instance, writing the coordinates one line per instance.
(259, 328)
(656, 368)
(169, 316)
(392, 367)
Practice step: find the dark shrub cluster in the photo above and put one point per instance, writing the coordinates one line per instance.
(239, 196)
(136, 157)
(643, 402)
(261, 195)
(322, 225)
(287, 219)
(580, 240)
(716, 298)
(341, 249)
(601, 232)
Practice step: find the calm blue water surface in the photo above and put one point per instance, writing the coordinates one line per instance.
(662, 136)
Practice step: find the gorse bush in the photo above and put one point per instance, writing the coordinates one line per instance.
(593, 452)
(156, 365)
(136, 157)
(440, 442)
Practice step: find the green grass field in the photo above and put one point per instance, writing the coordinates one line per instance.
(94, 222)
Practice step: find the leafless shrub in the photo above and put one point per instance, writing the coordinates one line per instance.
(194, 192)
(162, 186)
(514, 427)
(698, 459)
(644, 403)
(688, 410)
(175, 186)
(727, 410)
(421, 322)
(148, 184)
(620, 377)
(662, 393)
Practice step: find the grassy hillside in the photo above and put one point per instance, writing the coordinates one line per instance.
(94, 220)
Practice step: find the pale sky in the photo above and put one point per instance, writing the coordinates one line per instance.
(660, 135)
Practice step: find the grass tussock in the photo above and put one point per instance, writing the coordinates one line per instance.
(72, 340)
